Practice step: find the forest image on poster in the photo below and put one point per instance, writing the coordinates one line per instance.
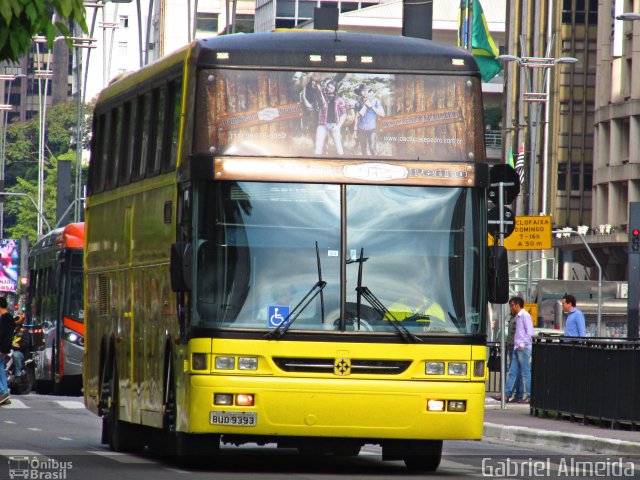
(341, 115)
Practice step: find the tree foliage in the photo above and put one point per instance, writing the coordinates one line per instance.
(21, 20)
(21, 170)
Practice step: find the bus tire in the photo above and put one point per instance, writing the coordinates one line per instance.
(118, 433)
(195, 449)
(428, 460)
(184, 448)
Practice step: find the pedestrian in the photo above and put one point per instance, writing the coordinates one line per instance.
(21, 345)
(6, 337)
(575, 326)
(518, 395)
(521, 362)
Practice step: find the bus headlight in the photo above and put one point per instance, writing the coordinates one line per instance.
(434, 368)
(225, 363)
(244, 399)
(73, 337)
(435, 405)
(198, 361)
(457, 368)
(247, 363)
(457, 406)
(222, 399)
(478, 368)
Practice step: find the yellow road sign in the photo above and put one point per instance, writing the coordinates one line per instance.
(532, 308)
(530, 233)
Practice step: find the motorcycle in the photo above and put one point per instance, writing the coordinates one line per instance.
(23, 384)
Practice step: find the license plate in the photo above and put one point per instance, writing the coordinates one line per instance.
(234, 419)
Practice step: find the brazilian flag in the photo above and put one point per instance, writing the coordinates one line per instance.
(483, 47)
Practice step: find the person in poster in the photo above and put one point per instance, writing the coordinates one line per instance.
(312, 102)
(330, 118)
(368, 109)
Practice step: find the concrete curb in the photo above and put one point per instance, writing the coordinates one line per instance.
(550, 439)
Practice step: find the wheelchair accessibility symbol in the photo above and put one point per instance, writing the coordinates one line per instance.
(277, 314)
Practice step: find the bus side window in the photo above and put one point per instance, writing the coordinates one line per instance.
(124, 167)
(95, 166)
(142, 132)
(115, 134)
(172, 126)
(161, 128)
(152, 140)
(105, 152)
(139, 147)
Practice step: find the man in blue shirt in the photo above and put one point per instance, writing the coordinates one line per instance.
(575, 326)
(368, 109)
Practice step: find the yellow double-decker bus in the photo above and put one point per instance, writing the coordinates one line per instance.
(286, 242)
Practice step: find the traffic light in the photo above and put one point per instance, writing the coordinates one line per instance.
(635, 239)
(24, 281)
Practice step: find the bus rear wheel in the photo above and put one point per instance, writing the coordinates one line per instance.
(115, 432)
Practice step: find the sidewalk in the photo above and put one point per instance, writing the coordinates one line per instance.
(516, 424)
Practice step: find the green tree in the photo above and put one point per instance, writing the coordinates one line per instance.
(21, 172)
(21, 20)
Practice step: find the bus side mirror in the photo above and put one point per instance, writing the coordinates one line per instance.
(498, 271)
(180, 267)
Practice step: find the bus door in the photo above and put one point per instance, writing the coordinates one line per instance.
(131, 317)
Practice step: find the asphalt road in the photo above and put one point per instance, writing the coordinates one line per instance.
(47, 437)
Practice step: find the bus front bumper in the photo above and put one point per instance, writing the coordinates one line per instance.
(351, 408)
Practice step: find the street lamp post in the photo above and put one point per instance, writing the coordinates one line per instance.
(41, 217)
(42, 74)
(6, 108)
(79, 43)
(628, 16)
(536, 96)
(595, 260)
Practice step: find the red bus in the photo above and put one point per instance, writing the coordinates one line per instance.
(55, 303)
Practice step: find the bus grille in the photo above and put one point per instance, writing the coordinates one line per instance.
(358, 366)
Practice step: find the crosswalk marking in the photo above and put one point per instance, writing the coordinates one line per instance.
(70, 404)
(8, 452)
(15, 403)
(120, 457)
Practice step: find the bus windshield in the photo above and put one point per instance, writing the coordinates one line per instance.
(74, 302)
(262, 247)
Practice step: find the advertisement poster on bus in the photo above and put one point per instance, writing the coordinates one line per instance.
(335, 115)
(10, 260)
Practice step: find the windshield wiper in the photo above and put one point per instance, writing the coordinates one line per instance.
(375, 302)
(281, 329)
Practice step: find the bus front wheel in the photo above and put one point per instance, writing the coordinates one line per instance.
(428, 460)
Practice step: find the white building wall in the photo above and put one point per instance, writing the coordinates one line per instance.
(117, 49)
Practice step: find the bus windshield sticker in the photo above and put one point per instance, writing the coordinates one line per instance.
(336, 114)
(276, 314)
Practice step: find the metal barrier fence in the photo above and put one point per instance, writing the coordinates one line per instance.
(591, 379)
(493, 364)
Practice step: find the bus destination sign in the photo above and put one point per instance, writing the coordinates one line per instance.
(349, 171)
